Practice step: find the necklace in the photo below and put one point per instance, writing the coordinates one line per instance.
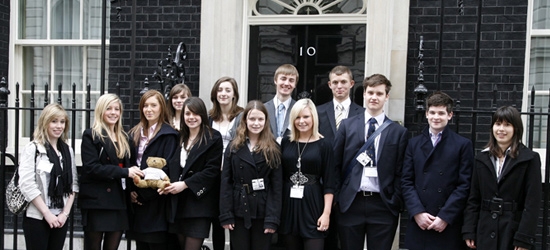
(298, 178)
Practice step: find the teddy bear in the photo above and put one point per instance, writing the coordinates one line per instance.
(154, 176)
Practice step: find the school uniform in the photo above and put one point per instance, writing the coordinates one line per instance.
(103, 197)
(436, 180)
(193, 209)
(503, 212)
(244, 201)
(149, 221)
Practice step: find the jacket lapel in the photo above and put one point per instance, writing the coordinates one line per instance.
(196, 152)
(331, 117)
(110, 151)
(488, 163)
(244, 154)
(511, 162)
(271, 112)
(383, 136)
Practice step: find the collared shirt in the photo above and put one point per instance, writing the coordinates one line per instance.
(371, 184)
(499, 168)
(345, 104)
(434, 137)
(276, 102)
(143, 141)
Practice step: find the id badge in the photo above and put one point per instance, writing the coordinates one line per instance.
(370, 172)
(297, 192)
(258, 184)
(363, 158)
(123, 182)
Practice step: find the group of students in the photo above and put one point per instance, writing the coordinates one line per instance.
(276, 168)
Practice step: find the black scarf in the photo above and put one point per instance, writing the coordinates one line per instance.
(61, 180)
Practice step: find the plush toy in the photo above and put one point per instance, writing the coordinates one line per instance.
(154, 176)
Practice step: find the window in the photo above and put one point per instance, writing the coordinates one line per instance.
(539, 68)
(58, 42)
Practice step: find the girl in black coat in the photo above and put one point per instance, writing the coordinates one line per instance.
(251, 187)
(195, 177)
(504, 202)
(106, 164)
(153, 137)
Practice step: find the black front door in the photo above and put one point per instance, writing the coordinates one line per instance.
(313, 49)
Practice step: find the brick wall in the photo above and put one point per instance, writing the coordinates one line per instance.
(159, 24)
(4, 36)
(453, 58)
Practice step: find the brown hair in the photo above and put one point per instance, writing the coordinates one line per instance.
(195, 105)
(216, 111)
(178, 88)
(143, 123)
(286, 69)
(438, 99)
(266, 144)
(340, 70)
(375, 80)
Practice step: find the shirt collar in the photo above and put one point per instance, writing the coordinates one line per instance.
(277, 102)
(151, 130)
(345, 104)
(379, 118)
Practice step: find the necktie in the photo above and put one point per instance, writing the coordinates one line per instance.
(280, 119)
(339, 115)
(370, 150)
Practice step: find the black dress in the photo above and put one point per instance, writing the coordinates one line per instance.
(299, 216)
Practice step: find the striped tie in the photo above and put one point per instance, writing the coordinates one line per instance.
(339, 115)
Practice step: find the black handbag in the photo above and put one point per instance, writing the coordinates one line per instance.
(14, 197)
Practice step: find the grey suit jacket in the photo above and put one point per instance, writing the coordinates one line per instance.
(272, 112)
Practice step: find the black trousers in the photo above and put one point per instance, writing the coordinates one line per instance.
(249, 239)
(39, 235)
(367, 215)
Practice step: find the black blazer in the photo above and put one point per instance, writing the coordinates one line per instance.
(202, 176)
(326, 114)
(236, 200)
(391, 150)
(100, 180)
(520, 183)
(152, 216)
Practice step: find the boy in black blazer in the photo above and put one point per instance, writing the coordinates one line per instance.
(370, 196)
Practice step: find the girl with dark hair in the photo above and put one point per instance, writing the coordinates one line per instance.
(224, 117)
(224, 97)
(195, 176)
(153, 137)
(178, 94)
(48, 180)
(505, 195)
(106, 163)
(251, 187)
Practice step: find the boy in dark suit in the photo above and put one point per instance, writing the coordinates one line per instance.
(340, 82)
(436, 180)
(341, 107)
(278, 109)
(370, 196)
